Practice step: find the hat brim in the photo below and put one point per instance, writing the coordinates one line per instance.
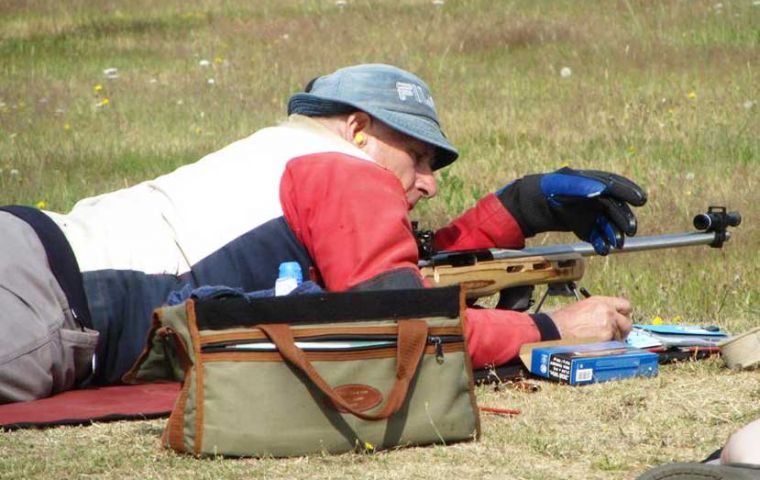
(416, 126)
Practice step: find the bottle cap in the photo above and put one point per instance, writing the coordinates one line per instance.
(291, 270)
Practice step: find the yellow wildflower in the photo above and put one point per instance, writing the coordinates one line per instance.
(657, 320)
(67, 126)
(218, 60)
(98, 88)
(191, 15)
(677, 319)
(41, 204)
(368, 447)
(104, 102)
(198, 130)
(691, 95)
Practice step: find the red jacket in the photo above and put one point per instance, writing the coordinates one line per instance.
(351, 216)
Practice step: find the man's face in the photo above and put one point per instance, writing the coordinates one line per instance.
(406, 157)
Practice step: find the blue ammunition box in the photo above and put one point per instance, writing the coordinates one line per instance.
(592, 362)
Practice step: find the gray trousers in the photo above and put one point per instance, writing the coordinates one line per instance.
(42, 349)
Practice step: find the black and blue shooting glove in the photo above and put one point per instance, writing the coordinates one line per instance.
(592, 204)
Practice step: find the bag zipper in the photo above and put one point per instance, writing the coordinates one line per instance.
(311, 344)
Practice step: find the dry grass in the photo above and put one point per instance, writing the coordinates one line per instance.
(665, 92)
(601, 431)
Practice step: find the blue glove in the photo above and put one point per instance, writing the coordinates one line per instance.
(592, 204)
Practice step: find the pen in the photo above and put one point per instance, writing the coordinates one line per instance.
(574, 288)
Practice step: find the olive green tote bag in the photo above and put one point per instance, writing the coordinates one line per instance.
(317, 373)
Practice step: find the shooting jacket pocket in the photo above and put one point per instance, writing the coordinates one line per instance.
(78, 348)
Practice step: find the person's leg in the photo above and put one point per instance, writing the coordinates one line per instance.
(42, 350)
(743, 446)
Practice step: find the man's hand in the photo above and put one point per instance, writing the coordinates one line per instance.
(603, 318)
(592, 204)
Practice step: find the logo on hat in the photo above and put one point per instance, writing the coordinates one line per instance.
(407, 90)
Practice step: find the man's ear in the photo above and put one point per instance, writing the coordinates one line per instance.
(357, 122)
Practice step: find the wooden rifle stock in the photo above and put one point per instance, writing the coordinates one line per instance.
(487, 277)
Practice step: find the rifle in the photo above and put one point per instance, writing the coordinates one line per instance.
(514, 273)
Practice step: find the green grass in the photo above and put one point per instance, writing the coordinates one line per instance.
(665, 92)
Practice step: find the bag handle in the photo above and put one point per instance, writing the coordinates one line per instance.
(412, 338)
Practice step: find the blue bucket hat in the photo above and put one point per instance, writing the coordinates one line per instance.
(394, 96)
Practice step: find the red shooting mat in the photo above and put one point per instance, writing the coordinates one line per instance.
(103, 404)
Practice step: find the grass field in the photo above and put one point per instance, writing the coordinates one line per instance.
(664, 92)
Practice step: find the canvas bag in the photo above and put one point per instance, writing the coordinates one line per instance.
(328, 372)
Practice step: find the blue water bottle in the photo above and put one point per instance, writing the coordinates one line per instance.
(289, 278)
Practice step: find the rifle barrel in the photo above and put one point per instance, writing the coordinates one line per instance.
(632, 244)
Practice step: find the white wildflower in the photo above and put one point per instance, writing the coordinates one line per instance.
(748, 104)
(756, 3)
(690, 176)
(718, 6)
(204, 63)
(111, 72)
(211, 81)
(153, 80)
(438, 3)
(180, 102)
(565, 72)
(14, 172)
(340, 3)
(285, 36)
